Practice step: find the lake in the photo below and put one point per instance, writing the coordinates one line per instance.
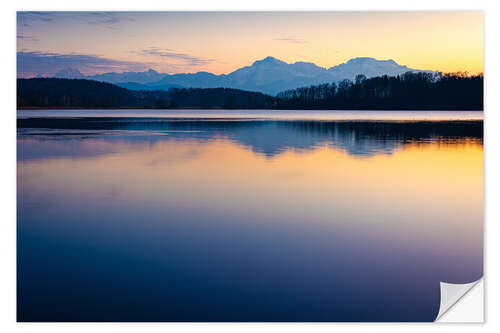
(223, 215)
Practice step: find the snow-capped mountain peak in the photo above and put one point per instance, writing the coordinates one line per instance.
(268, 75)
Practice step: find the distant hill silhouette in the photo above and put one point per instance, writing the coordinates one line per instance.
(141, 86)
(268, 75)
(69, 73)
(75, 93)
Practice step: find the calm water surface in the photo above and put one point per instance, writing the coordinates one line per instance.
(246, 216)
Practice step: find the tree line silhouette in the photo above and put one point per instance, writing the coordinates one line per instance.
(410, 91)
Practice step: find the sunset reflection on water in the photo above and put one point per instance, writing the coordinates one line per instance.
(236, 226)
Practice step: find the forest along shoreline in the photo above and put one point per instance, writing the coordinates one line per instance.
(410, 91)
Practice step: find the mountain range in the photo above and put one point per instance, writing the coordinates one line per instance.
(269, 75)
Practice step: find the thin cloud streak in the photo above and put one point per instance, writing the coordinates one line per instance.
(185, 58)
(27, 37)
(106, 19)
(292, 40)
(30, 64)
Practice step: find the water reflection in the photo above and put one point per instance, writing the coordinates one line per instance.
(245, 220)
(266, 137)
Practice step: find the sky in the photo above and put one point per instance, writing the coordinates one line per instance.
(221, 42)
